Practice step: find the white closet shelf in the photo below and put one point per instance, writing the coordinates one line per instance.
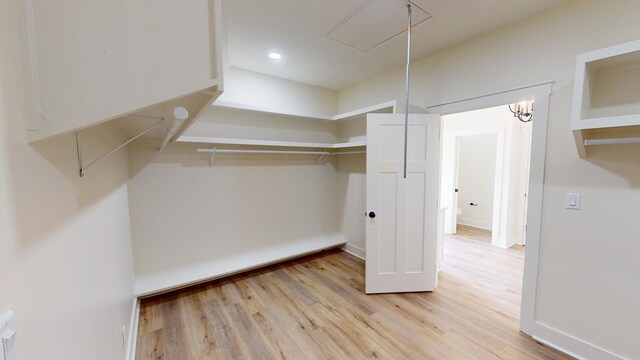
(272, 143)
(385, 107)
(607, 122)
(194, 101)
(155, 283)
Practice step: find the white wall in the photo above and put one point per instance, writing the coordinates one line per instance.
(476, 179)
(65, 249)
(277, 95)
(587, 287)
(190, 221)
(351, 197)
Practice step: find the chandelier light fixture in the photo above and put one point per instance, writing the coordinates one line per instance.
(523, 111)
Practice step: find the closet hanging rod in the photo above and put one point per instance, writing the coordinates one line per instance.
(233, 151)
(320, 154)
(349, 152)
(214, 151)
(613, 141)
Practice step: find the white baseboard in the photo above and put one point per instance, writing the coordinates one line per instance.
(132, 341)
(570, 345)
(475, 223)
(355, 251)
(502, 243)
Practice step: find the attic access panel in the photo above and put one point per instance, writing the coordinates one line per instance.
(376, 22)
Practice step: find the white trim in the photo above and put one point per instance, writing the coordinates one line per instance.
(132, 342)
(355, 251)
(540, 93)
(531, 92)
(498, 225)
(503, 243)
(479, 224)
(534, 212)
(580, 349)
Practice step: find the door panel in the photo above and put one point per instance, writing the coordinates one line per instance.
(402, 238)
(386, 222)
(416, 224)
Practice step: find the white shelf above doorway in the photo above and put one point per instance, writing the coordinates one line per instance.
(606, 99)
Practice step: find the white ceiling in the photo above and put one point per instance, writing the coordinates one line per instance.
(299, 29)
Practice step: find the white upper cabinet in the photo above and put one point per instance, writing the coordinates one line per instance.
(606, 99)
(89, 61)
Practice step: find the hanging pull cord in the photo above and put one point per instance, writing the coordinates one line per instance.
(406, 100)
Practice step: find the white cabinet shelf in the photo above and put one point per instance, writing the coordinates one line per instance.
(606, 99)
(155, 283)
(236, 124)
(105, 60)
(385, 107)
(270, 143)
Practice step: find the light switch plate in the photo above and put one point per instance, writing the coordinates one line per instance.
(572, 201)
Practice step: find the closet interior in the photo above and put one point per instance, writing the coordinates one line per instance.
(246, 188)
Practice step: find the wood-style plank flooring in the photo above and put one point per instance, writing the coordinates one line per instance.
(315, 308)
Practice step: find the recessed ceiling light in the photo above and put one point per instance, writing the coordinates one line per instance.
(275, 55)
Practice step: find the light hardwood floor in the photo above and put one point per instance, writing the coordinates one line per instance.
(315, 308)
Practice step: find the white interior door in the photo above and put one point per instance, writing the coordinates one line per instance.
(402, 214)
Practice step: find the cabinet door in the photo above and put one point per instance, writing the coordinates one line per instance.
(402, 223)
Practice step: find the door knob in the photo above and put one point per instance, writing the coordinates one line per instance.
(372, 215)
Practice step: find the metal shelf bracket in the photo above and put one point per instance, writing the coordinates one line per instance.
(82, 167)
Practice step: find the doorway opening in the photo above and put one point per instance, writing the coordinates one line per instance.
(539, 93)
(484, 198)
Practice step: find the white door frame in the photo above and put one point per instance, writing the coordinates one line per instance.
(498, 222)
(540, 93)
(523, 185)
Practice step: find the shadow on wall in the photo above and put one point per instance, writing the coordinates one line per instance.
(351, 197)
(622, 160)
(242, 205)
(45, 186)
